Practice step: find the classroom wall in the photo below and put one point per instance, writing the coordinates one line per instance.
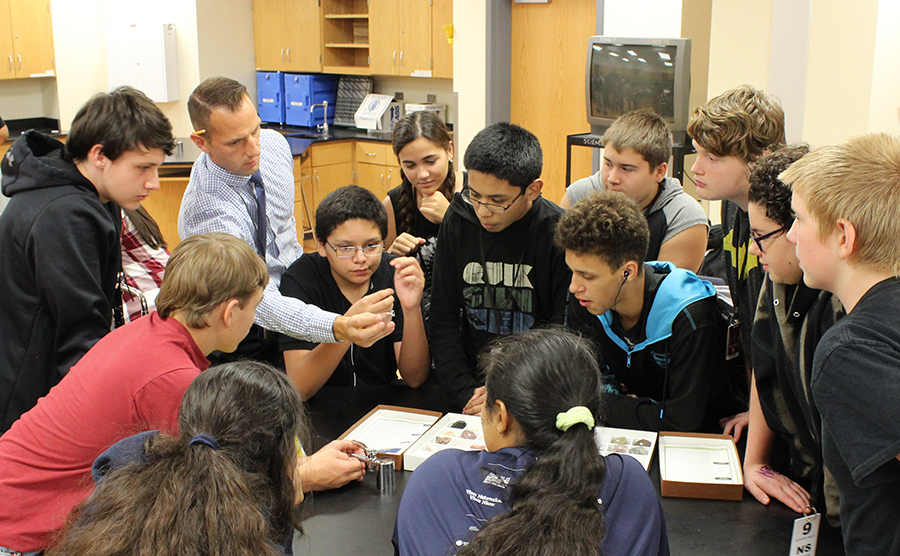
(469, 69)
(79, 36)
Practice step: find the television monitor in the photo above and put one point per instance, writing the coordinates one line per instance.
(626, 74)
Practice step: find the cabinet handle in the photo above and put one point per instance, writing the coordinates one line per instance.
(395, 58)
(318, 182)
(20, 61)
(371, 154)
(282, 55)
(10, 63)
(401, 58)
(289, 55)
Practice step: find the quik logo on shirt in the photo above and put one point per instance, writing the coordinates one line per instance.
(500, 300)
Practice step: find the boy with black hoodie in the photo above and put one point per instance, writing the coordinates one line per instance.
(496, 270)
(59, 237)
(657, 327)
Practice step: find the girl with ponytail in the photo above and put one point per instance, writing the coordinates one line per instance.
(416, 207)
(541, 487)
(224, 486)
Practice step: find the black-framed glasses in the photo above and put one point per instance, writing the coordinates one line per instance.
(493, 207)
(759, 239)
(349, 251)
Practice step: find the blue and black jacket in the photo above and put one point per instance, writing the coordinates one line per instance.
(666, 372)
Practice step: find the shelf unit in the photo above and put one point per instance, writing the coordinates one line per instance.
(345, 36)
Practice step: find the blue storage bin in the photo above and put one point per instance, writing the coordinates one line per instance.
(270, 96)
(302, 91)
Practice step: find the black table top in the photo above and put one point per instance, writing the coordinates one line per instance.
(357, 518)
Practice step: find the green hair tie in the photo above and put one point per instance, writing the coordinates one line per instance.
(577, 414)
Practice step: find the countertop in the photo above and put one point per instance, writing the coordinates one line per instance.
(299, 138)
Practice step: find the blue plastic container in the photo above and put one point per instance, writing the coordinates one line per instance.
(270, 96)
(302, 91)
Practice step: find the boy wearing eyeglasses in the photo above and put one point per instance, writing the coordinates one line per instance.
(790, 320)
(496, 270)
(351, 275)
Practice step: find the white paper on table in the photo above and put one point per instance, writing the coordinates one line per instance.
(392, 432)
(697, 464)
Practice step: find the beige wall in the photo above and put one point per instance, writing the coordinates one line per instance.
(839, 79)
(883, 110)
(78, 34)
(739, 44)
(469, 69)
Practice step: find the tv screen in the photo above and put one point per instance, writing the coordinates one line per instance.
(629, 74)
(629, 77)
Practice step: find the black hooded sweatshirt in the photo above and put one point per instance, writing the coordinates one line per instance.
(526, 286)
(59, 256)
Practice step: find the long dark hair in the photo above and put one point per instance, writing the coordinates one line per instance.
(192, 499)
(146, 227)
(413, 126)
(553, 504)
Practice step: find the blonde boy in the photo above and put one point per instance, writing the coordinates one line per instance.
(847, 204)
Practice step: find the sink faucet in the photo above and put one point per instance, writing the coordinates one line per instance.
(324, 127)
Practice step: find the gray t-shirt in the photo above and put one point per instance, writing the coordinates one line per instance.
(680, 209)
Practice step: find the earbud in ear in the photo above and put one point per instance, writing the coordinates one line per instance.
(626, 275)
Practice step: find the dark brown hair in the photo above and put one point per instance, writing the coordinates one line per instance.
(215, 92)
(146, 227)
(192, 499)
(426, 125)
(769, 191)
(120, 121)
(607, 225)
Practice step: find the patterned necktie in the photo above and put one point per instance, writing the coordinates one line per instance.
(261, 221)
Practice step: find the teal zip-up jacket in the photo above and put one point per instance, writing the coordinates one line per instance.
(667, 373)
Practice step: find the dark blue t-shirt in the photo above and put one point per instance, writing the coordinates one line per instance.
(856, 387)
(453, 493)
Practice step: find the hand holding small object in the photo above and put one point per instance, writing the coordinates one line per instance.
(405, 244)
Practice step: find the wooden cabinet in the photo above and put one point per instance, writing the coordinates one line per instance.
(400, 37)
(332, 167)
(376, 167)
(441, 46)
(26, 39)
(287, 35)
(164, 204)
(345, 36)
(304, 208)
(387, 37)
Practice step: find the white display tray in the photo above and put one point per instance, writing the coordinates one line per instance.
(391, 430)
(696, 465)
(635, 443)
(454, 430)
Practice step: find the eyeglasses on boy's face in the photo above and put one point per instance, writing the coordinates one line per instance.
(759, 239)
(349, 251)
(493, 207)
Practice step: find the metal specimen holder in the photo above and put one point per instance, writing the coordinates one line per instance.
(384, 475)
(383, 467)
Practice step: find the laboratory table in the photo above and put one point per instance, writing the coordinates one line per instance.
(356, 519)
